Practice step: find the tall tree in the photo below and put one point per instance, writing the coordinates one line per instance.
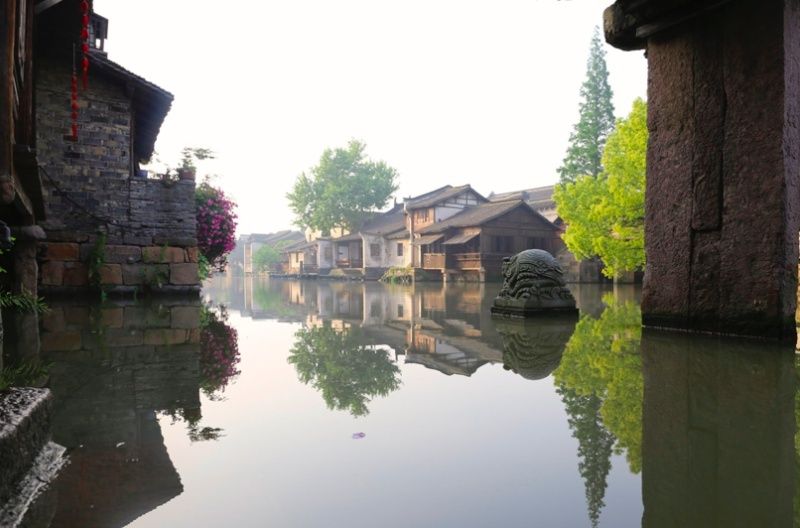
(605, 215)
(595, 445)
(341, 190)
(584, 155)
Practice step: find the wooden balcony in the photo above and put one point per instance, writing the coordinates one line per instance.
(349, 263)
(433, 261)
(464, 261)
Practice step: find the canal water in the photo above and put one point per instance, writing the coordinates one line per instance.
(332, 404)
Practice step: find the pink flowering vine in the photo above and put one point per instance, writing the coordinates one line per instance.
(216, 225)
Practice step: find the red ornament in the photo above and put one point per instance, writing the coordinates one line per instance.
(85, 42)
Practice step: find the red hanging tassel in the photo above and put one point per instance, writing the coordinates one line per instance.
(85, 42)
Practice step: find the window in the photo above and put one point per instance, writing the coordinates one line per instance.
(503, 244)
(375, 250)
(327, 253)
(399, 310)
(538, 243)
(399, 249)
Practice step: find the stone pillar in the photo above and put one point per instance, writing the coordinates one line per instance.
(718, 431)
(723, 202)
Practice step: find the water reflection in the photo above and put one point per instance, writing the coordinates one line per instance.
(705, 425)
(112, 370)
(346, 371)
(719, 421)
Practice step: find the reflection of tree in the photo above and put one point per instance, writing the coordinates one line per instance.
(594, 446)
(348, 373)
(219, 351)
(600, 382)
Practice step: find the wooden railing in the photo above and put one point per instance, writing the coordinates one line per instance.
(433, 261)
(464, 261)
(347, 263)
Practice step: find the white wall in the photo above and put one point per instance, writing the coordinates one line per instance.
(387, 257)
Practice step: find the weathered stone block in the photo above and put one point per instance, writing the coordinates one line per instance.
(52, 273)
(64, 251)
(185, 317)
(75, 274)
(163, 254)
(182, 274)
(192, 254)
(144, 274)
(111, 274)
(123, 254)
(113, 317)
(53, 320)
(77, 315)
(61, 341)
(165, 336)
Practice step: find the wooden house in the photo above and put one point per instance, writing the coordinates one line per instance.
(472, 244)
(437, 206)
(301, 258)
(541, 199)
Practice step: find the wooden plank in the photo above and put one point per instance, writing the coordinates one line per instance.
(7, 82)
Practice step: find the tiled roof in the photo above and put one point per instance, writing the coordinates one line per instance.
(475, 216)
(538, 197)
(389, 222)
(439, 195)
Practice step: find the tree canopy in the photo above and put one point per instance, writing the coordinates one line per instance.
(605, 215)
(269, 255)
(341, 190)
(346, 371)
(602, 359)
(584, 154)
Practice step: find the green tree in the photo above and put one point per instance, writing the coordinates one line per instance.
(342, 189)
(595, 445)
(596, 120)
(269, 255)
(347, 372)
(602, 359)
(605, 215)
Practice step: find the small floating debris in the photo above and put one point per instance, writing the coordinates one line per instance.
(120, 444)
(359, 436)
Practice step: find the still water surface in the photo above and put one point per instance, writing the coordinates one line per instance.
(317, 404)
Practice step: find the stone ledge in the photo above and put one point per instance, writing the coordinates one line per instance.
(24, 431)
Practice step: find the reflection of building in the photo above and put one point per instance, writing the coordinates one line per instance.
(448, 329)
(113, 370)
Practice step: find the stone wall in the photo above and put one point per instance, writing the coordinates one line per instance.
(92, 186)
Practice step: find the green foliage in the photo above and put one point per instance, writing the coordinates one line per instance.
(399, 275)
(347, 372)
(23, 302)
(190, 154)
(203, 267)
(268, 256)
(595, 444)
(596, 120)
(341, 189)
(605, 215)
(602, 359)
(23, 375)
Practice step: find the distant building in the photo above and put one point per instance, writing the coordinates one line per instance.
(240, 261)
(539, 198)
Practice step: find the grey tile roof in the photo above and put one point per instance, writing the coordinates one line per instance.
(439, 195)
(476, 216)
(538, 197)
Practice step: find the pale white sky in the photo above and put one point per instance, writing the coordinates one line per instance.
(446, 91)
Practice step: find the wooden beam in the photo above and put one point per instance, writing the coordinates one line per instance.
(8, 34)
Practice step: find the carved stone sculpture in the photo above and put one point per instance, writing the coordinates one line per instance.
(533, 283)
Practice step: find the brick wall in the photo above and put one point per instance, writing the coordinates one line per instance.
(90, 186)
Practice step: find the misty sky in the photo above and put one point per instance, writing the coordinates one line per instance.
(445, 91)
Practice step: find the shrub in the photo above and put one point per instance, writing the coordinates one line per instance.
(216, 225)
